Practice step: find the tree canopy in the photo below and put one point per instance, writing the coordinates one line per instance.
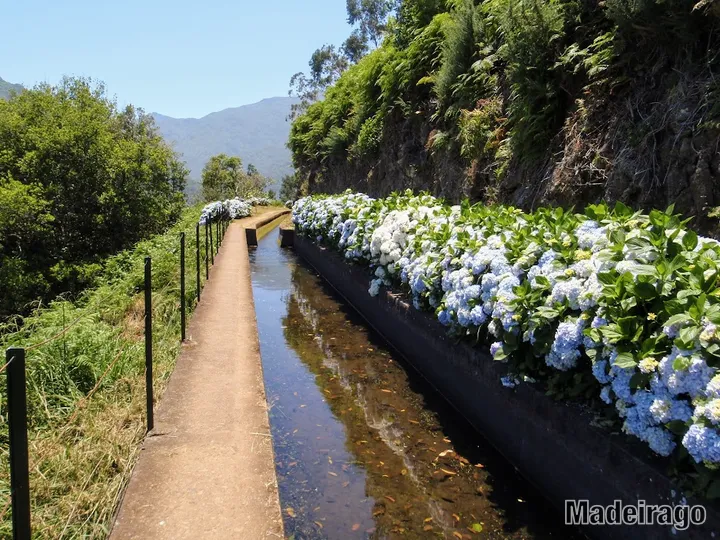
(223, 177)
(79, 179)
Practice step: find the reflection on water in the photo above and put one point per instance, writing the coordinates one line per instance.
(364, 448)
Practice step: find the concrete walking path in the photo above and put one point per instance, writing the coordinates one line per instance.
(207, 469)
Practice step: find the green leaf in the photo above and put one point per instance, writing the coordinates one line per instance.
(689, 334)
(681, 363)
(639, 380)
(713, 490)
(680, 318)
(476, 527)
(612, 332)
(690, 240)
(625, 360)
(678, 427)
(646, 291)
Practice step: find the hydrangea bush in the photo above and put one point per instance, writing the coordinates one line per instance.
(613, 305)
(228, 209)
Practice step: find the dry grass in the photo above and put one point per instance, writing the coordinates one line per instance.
(86, 389)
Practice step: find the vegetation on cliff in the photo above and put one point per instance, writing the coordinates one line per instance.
(528, 102)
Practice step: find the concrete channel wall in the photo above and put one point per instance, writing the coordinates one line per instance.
(251, 230)
(553, 444)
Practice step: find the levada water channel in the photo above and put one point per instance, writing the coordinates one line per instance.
(364, 448)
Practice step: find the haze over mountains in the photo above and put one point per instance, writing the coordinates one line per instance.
(257, 133)
(6, 88)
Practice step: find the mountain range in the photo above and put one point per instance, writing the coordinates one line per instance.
(256, 133)
(6, 88)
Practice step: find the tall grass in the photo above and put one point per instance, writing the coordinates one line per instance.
(85, 369)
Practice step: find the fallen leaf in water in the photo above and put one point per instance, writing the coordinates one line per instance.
(292, 464)
(445, 453)
(414, 422)
(457, 535)
(356, 527)
(295, 431)
(403, 472)
(449, 473)
(520, 500)
(389, 498)
(316, 509)
(457, 518)
(345, 484)
(318, 524)
(379, 512)
(370, 349)
(428, 528)
(480, 466)
(303, 406)
(332, 473)
(428, 520)
(476, 528)
(386, 391)
(385, 476)
(445, 439)
(290, 512)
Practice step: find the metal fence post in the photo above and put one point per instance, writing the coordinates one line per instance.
(148, 344)
(217, 236)
(17, 424)
(197, 259)
(207, 257)
(212, 247)
(182, 286)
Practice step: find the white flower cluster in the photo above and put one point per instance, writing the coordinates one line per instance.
(229, 209)
(574, 290)
(259, 201)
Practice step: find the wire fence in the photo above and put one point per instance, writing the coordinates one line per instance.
(16, 378)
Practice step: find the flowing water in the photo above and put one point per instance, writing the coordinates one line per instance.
(364, 448)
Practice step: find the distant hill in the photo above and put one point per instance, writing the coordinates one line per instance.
(256, 133)
(6, 88)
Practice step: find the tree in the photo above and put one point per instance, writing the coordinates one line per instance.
(370, 16)
(223, 178)
(326, 66)
(289, 187)
(355, 46)
(79, 180)
(327, 63)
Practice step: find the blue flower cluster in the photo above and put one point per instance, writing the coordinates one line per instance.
(512, 276)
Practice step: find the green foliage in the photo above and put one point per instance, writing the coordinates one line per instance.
(463, 52)
(289, 188)
(7, 88)
(79, 180)
(479, 131)
(533, 34)
(442, 62)
(83, 446)
(223, 177)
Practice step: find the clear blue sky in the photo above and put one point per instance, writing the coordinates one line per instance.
(179, 58)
